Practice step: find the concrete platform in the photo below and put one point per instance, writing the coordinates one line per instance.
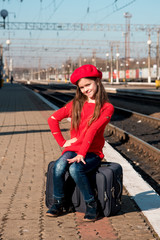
(26, 148)
(132, 88)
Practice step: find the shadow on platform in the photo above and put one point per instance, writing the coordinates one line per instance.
(27, 131)
(128, 205)
(148, 200)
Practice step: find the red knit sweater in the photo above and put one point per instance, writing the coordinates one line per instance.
(89, 139)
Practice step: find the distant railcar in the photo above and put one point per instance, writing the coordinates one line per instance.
(132, 74)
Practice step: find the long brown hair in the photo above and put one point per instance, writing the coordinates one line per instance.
(79, 100)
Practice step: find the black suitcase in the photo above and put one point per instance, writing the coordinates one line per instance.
(106, 181)
(72, 194)
(69, 189)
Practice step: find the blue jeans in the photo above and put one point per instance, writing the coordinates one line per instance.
(78, 172)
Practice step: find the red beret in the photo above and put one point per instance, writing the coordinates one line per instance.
(87, 70)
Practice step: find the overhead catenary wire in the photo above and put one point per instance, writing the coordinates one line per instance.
(115, 10)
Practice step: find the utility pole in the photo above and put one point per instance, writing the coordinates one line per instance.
(80, 60)
(127, 16)
(157, 48)
(157, 60)
(94, 58)
(71, 65)
(117, 65)
(149, 58)
(111, 63)
(39, 69)
(107, 67)
(1, 65)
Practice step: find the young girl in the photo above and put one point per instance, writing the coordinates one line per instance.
(90, 112)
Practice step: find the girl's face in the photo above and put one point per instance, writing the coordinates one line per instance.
(88, 87)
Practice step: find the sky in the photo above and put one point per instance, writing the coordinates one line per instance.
(48, 48)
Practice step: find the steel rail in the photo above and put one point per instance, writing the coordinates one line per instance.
(152, 120)
(124, 136)
(140, 145)
(149, 119)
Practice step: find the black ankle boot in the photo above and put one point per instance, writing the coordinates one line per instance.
(56, 209)
(91, 211)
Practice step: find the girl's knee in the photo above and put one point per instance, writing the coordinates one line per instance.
(74, 170)
(59, 167)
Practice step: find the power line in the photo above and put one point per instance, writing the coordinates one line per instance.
(117, 9)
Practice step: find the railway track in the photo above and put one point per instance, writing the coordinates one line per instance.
(143, 126)
(137, 134)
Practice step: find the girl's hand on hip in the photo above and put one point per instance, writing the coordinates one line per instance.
(69, 142)
(78, 158)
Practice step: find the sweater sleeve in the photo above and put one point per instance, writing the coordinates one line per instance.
(55, 118)
(95, 126)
